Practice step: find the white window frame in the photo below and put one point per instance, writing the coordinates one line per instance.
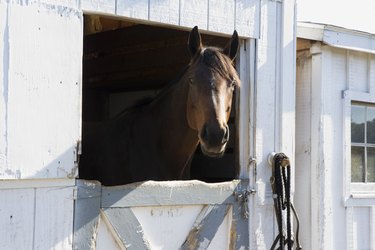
(354, 190)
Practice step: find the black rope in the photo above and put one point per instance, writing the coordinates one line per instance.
(287, 197)
(281, 182)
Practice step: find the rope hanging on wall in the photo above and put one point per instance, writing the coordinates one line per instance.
(280, 182)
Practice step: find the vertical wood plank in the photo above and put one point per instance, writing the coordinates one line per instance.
(347, 145)
(43, 94)
(86, 214)
(138, 9)
(239, 237)
(315, 144)
(334, 78)
(302, 195)
(54, 218)
(17, 219)
(371, 65)
(245, 105)
(325, 149)
(247, 21)
(361, 228)
(4, 81)
(372, 227)
(165, 11)
(349, 228)
(287, 79)
(221, 15)
(358, 71)
(262, 224)
(194, 12)
(104, 6)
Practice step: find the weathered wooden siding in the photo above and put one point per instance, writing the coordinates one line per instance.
(41, 90)
(40, 117)
(40, 105)
(303, 145)
(148, 215)
(328, 79)
(273, 121)
(222, 16)
(36, 217)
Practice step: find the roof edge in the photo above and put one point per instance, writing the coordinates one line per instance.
(336, 36)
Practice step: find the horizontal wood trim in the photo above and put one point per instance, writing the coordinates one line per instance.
(36, 183)
(151, 193)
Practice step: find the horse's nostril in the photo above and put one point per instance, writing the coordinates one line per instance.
(226, 135)
(204, 134)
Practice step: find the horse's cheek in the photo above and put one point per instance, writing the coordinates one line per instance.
(191, 117)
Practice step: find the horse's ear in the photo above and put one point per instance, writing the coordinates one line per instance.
(232, 47)
(195, 41)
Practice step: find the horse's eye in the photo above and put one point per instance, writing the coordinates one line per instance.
(190, 80)
(233, 83)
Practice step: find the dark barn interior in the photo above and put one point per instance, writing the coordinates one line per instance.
(125, 62)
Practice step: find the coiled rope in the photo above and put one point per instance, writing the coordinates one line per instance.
(280, 182)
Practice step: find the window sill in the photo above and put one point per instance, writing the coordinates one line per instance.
(362, 196)
(361, 202)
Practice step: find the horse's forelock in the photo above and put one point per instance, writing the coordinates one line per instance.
(220, 63)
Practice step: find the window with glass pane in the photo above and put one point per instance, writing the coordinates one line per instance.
(363, 143)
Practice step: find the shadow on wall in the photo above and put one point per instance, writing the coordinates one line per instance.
(62, 166)
(38, 210)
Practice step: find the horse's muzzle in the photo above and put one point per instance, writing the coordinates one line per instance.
(214, 139)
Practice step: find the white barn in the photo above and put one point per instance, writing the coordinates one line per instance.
(43, 204)
(335, 97)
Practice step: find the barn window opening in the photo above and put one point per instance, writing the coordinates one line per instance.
(362, 143)
(126, 64)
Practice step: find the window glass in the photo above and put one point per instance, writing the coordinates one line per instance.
(358, 164)
(358, 124)
(370, 125)
(370, 164)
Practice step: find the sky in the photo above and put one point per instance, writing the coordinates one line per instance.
(351, 14)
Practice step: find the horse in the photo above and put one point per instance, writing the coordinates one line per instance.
(156, 141)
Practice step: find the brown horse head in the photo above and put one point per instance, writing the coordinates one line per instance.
(212, 79)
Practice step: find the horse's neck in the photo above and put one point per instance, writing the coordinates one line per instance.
(172, 113)
(176, 135)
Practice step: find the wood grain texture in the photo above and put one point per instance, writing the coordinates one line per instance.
(328, 80)
(136, 9)
(168, 193)
(42, 115)
(103, 6)
(17, 219)
(86, 212)
(54, 218)
(163, 11)
(221, 16)
(129, 231)
(36, 218)
(205, 227)
(211, 15)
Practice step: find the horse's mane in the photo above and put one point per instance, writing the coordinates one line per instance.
(211, 57)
